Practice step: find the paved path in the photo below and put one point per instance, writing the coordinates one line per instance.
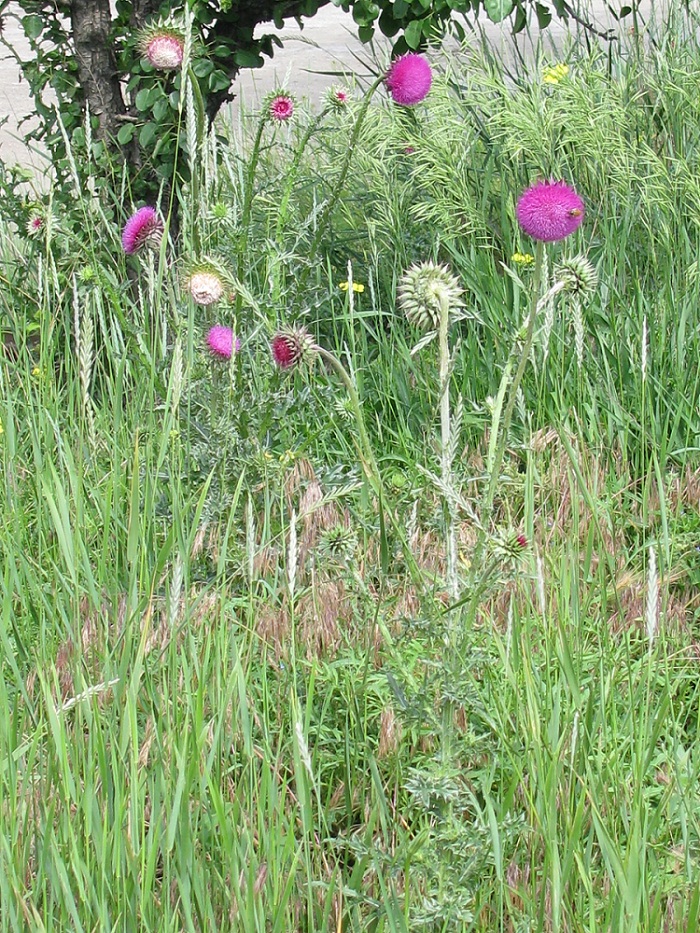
(327, 43)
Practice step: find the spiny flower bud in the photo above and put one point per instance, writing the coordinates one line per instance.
(292, 347)
(578, 275)
(423, 289)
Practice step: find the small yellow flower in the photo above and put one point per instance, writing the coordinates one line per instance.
(2, 430)
(553, 74)
(356, 287)
(523, 259)
(36, 373)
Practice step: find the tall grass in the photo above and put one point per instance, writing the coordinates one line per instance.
(223, 705)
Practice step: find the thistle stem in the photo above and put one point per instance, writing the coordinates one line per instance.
(248, 196)
(523, 351)
(446, 445)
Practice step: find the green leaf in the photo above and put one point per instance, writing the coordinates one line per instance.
(148, 134)
(160, 109)
(143, 98)
(497, 10)
(544, 17)
(413, 34)
(365, 33)
(245, 58)
(126, 134)
(33, 26)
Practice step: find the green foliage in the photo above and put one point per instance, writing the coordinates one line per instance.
(219, 708)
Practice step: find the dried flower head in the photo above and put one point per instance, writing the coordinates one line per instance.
(221, 342)
(423, 289)
(291, 347)
(409, 79)
(163, 46)
(579, 276)
(550, 211)
(144, 228)
(205, 280)
(280, 107)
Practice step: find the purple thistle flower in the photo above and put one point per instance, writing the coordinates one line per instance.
(409, 79)
(550, 211)
(221, 342)
(144, 227)
(291, 347)
(281, 108)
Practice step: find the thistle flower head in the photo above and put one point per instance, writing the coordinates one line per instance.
(423, 289)
(292, 347)
(338, 97)
(579, 277)
(279, 107)
(205, 281)
(221, 342)
(36, 223)
(550, 211)
(409, 79)
(162, 45)
(144, 228)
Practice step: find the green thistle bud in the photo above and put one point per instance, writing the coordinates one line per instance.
(423, 289)
(578, 275)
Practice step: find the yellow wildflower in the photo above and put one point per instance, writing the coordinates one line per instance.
(523, 259)
(36, 372)
(356, 287)
(553, 74)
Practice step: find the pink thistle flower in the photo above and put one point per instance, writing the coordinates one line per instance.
(550, 211)
(521, 541)
(290, 348)
(221, 342)
(35, 224)
(338, 97)
(409, 79)
(281, 108)
(144, 228)
(165, 52)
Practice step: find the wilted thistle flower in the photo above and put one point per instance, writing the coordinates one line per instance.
(205, 283)
(550, 211)
(579, 276)
(163, 46)
(409, 79)
(222, 343)
(144, 228)
(338, 97)
(291, 347)
(280, 107)
(422, 290)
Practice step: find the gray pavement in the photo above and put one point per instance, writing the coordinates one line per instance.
(327, 43)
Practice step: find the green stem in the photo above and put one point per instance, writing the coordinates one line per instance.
(445, 441)
(338, 186)
(248, 197)
(293, 169)
(523, 350)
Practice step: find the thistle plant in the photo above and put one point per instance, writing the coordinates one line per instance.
(548, 212)
(430, 297)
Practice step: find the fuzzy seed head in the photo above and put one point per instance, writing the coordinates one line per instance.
(163, 46)
(409, 79)
(423, 289)
(144, 228)
(549, 211)
(205, 287)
